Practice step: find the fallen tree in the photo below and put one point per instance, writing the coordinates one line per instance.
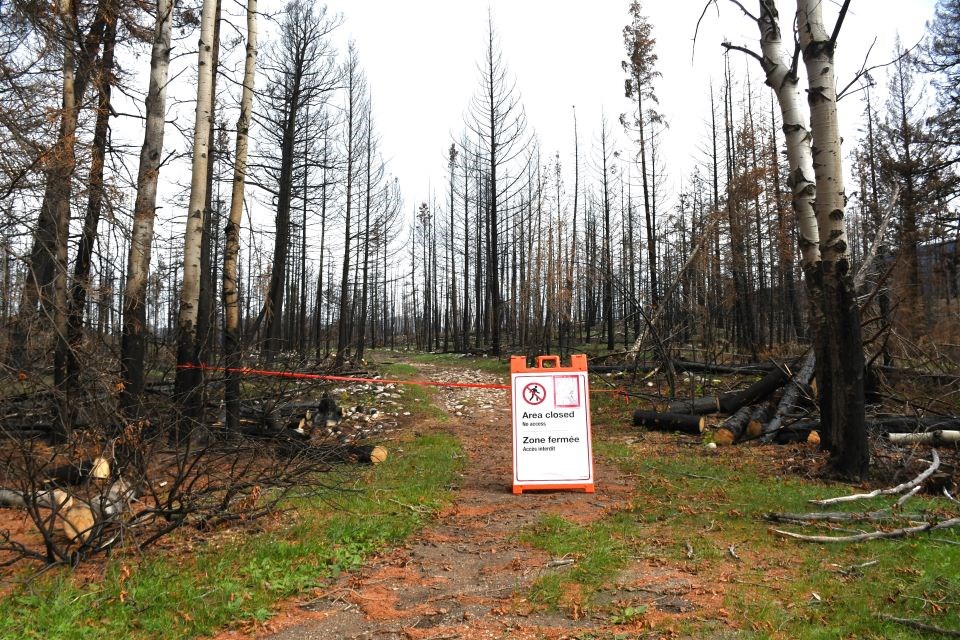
(734, 400)
(797, 386)
(656, 421)
(915, 522)
(932, 438)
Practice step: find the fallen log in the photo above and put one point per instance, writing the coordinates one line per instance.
(655, 421)
(790, 397)
(734, 400)
(336, 453)
(367, 454)
(687, 366)
(885, 424)
(932, 438)
(880, 515)
(733, 427)
(796, 433)
(873, 535)
(761, 415)
(54, 499)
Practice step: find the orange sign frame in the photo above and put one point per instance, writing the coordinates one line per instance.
(549, 366)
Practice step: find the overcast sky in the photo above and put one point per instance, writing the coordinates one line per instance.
(421, 59)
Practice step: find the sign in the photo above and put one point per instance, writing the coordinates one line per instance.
(551, 424)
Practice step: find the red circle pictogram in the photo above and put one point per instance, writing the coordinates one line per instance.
(534, 393)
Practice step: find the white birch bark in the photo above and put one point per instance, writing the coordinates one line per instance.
(839, 346)
(782, 78)
(828, 162)
(190, 290)
(231, 299)
(144, 210)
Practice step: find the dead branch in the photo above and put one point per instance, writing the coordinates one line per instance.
(861, 276)
(881, 515)
(900, 488)
(796, 385)
(918, 624)
(873, 535)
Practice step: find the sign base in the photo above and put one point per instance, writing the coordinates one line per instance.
(520, 488)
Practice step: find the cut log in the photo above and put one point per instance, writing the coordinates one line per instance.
(655, 421)
(378, 455)
(733, 427)
(366, 453)
(696, 406)
(932, 438)
(79, 472)
(78, 522)
(791, 396)
(733, 401)
(797, 432)
(760, 416)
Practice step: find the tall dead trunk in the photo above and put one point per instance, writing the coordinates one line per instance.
(354, 96)
(189, 377)
(207, 307)
(45, 283)
(82, 261)
(365, 287)
(231, 298)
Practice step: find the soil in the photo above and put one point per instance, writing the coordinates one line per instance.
(465, 574)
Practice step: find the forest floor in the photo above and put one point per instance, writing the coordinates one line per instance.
(671, 545)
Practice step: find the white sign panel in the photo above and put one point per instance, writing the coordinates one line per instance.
(551, 430)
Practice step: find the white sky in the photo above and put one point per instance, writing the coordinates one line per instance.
(421, 56)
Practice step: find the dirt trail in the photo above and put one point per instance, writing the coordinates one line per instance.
(463, 576)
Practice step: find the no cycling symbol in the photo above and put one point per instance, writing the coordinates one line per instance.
(534, 393)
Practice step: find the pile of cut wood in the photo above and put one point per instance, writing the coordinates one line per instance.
(779, 408)
(754, 412)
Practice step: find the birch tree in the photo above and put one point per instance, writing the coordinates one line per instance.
(144, 212)
(839, 347)
(231, 298)
(816, 179)
(188, 376)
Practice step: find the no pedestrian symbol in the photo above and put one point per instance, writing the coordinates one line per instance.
(534, 393)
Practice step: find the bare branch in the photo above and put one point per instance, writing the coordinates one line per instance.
(836, 27)
(906, 486)
(749, 52)
(697, 29)
(864, 70)
(922, 626)
(873, 535)
(745, 12)
(877, 239)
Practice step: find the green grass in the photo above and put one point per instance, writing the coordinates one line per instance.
(687, 494)
(491, 365)
(237, 578)
(599, 552)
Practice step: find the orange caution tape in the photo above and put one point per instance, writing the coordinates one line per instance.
(247, 371)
